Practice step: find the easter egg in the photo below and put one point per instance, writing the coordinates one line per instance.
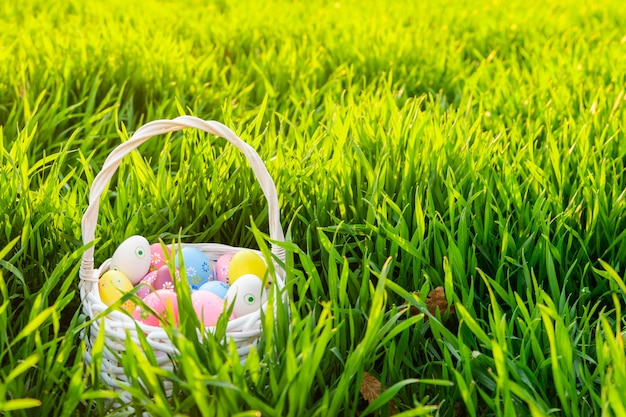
(146, 284)
(221, 267)
(218, 288)
(159, 301)
(160, 279)
(246, 294)
(132, 258)
(208, 307)
(157, 256)
(164, 279)
(198, 267)
(112, 286)
(246, 262)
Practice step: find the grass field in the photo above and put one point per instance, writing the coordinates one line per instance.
(476, 146)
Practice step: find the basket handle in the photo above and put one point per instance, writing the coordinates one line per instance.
(159, 127)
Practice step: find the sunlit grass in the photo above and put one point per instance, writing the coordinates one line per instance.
(478, 147)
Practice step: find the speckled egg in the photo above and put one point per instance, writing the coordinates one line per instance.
(246, 262)
(246, 294)
(112, 286)
(159, 301)
(218, 288)
(221, 267)
(132, 258)
(208, 307)
(198, 267)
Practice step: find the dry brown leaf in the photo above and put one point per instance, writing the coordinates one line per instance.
(436, 300)
(371, 389)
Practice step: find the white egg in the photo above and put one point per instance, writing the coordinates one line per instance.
(247, 295)
(132, 258)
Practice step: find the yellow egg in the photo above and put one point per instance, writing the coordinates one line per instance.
(112, 286)
(246, 262)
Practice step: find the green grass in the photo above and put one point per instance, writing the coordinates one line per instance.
(474, 146)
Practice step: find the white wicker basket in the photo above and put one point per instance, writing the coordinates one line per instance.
(244, 331)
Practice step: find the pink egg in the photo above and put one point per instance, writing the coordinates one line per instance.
(157, 256)
(146, 285)
(160, 279)
(164, 279)
(159, 301)
(208, 307)
(221, 267)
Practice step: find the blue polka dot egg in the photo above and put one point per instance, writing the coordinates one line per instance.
(198, 268)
